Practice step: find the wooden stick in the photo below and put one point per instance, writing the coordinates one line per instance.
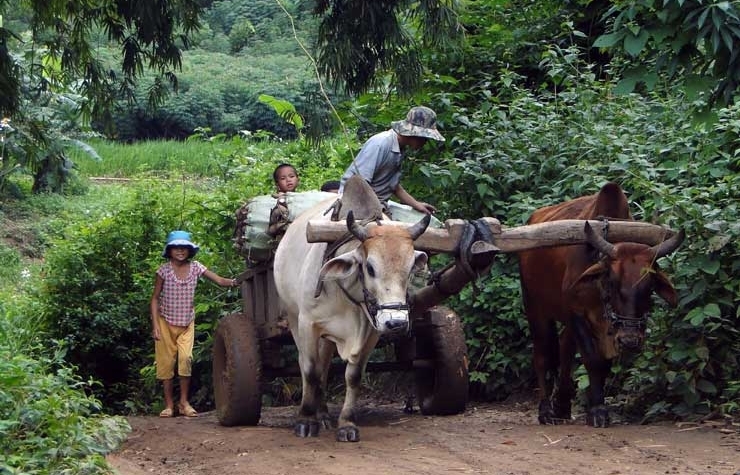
(433, 240)
(515, 239)
(570, 231)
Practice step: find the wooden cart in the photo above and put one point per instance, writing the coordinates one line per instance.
(247, 351)
(247, 346)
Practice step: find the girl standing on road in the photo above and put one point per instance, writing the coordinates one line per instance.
(173, 317)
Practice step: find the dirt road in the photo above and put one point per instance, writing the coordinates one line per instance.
(487, 438)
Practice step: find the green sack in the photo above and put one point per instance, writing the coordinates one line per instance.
(253, 220)
(407, 214)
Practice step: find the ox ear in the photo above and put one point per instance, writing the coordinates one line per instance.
(664, 288)
(420, 260)
(339, 267)
(587, 276)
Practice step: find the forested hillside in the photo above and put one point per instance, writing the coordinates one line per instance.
(243, 49)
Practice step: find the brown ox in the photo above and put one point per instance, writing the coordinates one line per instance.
(600, 292)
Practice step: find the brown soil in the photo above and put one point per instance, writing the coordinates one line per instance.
(487, 438)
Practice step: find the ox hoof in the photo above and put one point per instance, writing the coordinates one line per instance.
(348, 434)
(598, 416)
(550, 420)
(306, 429)
(561, 412)
(546, 414)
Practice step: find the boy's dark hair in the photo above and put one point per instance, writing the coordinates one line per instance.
(277, 169)
(330, 185)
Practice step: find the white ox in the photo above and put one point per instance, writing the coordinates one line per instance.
(363, 294)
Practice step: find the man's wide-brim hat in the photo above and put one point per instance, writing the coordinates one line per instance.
(180, 238)
(420, 122)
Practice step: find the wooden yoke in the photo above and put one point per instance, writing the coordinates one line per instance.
(433, 240)
(520, 238)
(451, 280)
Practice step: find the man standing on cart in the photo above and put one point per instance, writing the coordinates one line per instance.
(379, 160)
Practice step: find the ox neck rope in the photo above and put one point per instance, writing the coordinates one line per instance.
(605, 290)
(371, 302)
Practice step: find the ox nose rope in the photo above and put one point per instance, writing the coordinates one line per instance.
(372, 307)
(623, 321)
(371, 304)
(615, 319)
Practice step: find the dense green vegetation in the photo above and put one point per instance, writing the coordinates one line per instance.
(209, 62)
(77, 323)
(532, 114)
(504, 166)
(49, 420)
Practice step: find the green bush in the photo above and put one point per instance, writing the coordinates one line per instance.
(11, 268)
(95, 296)
(491, 312)
(48, 421)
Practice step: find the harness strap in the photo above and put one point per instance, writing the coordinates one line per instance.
(436, 280)
(335, 208)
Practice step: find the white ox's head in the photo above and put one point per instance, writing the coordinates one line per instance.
(380, 267)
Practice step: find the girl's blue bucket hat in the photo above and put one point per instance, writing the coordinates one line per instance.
(180, 238)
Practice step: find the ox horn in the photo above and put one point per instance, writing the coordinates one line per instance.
(669, 245)
(357, 231)
(418, 229)
(598, 242)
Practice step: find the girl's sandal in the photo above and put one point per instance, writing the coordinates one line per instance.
(166, 412)
(187, 410)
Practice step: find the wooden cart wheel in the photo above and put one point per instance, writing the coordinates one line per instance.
(236, 371)
(442, 388)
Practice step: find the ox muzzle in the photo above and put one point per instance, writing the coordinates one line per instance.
(389, 318)
(629, 331)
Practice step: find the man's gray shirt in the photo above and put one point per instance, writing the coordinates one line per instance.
(379, 163)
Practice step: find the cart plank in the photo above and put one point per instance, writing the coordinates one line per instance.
(512, 239)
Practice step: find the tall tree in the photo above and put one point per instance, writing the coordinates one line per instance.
(150, 33)
(56, 64)
(697, 41)
(358, 40)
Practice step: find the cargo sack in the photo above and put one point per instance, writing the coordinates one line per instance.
(407, 214)
(261, 221)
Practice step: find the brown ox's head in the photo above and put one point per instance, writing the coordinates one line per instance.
(380, 267)
(625, 278)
